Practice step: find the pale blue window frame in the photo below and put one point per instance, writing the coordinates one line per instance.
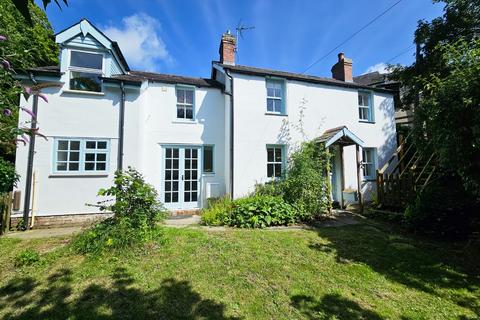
(85, 150)
(274, 163)
(369, 163)
(365, 109)
(183, 104)
(275, 98)
(213, 159)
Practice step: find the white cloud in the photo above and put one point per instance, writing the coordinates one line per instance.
(380, 67)
(140, 42)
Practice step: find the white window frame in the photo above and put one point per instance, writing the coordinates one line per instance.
(184, 105)
(85, 70)
(364, 108)
(274, 162)
(82, 156)
(281, 98)
(372, 163)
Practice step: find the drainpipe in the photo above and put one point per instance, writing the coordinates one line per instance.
(231, 132)
(121, 127)
(31, 153)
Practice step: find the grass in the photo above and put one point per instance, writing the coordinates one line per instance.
(353, 272)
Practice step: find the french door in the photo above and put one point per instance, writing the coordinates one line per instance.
(181, 177)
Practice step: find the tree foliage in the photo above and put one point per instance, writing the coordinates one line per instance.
(444, 85)
(26, 45)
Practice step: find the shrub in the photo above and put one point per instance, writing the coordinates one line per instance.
(8, 176)
(135, 201)
(260, 212)
(136, 214)
(444, 209)
(26, 258)
(307, 184)
(273, 188)
(217, 211)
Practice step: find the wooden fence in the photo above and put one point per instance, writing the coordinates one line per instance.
(6, 203)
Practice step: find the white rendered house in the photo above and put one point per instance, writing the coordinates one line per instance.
(192, 138)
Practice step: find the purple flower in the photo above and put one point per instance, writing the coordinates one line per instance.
(3, 38)
(44, 97)
(22, 141)
(7, 112)
(29, 112)
(27, 90)
(6, 65)
(25, 138)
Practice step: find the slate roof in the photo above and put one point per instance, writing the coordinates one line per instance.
(174, 79)
(297, 76)
(48, 70)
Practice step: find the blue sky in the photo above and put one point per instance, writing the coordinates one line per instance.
(182, 36)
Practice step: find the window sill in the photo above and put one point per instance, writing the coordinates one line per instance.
(366, 121)
(79, 175)
(88, 93)
(185, 121)
(369, 180)
(208, 173)
(276, 114)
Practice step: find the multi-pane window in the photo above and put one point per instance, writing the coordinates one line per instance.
(365, 106)
(208, 159)
(185, 103)
(95, 155)
(81, 155)
(368, 156)
(85, 71)
(274, 96)
(68, 155)
(275, 157)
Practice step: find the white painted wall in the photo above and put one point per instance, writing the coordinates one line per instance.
(75, 116)
(161, 127)
(150, 121)
(325, 107)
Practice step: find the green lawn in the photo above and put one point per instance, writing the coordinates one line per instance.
(352, 272)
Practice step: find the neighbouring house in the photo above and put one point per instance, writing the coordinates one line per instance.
(192, 138)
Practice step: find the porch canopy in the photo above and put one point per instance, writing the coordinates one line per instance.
(341, 136)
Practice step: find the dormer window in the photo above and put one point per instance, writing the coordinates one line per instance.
(85, 71)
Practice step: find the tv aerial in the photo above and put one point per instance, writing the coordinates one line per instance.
(240, 30)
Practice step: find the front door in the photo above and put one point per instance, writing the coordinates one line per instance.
(181, 177)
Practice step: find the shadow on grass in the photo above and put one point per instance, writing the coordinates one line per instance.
(121, 300)
(332, 306)
(431, 268)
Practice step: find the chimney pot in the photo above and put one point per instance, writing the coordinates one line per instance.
(342, 70)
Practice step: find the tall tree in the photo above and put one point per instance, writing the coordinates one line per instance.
(444, 84)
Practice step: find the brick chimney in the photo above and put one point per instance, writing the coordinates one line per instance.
(342, 70)
(228, 45)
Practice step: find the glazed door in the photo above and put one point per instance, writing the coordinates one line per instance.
(181, 187)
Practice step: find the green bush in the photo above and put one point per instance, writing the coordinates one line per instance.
(8, 176)
(274, 188)
(307, 185)
(444, 209)
(136, 213)
(260, 212)
(256, 211)
(217, 211)
(27, 257)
